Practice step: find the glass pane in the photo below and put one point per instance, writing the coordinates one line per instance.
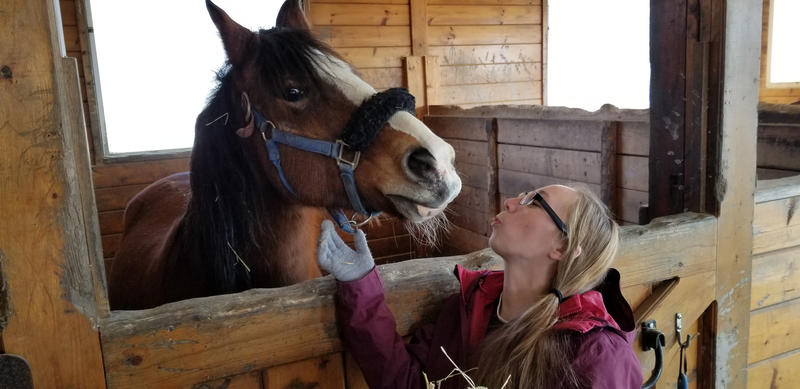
(784, 62)
(597, 53)
(157, 62)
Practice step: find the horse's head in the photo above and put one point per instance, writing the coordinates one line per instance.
(302, 88)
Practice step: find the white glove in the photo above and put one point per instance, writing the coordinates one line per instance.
(340, 260)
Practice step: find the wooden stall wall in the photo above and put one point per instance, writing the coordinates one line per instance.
(502, 151)
(774, 344)
(767, 94)
(778, 140)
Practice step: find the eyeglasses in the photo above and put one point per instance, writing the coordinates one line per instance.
(529, 197)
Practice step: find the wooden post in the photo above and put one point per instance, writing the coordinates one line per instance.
(608, 167)
(419, 27)
(431, 80)
(735, 187)
(43, 241)
(415, 81)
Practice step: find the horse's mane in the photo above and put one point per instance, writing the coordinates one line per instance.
(230, 195)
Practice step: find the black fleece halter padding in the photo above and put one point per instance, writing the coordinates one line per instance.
(372, 114)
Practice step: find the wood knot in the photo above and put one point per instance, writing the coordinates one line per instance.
(5, 72)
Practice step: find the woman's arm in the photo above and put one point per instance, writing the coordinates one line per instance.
(607, 361)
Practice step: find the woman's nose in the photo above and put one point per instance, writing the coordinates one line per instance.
(511, 203)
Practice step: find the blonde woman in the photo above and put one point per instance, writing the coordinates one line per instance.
(554, 318)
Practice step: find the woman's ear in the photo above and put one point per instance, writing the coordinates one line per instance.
(558, 253)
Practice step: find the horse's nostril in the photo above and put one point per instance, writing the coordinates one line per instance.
(422, 164)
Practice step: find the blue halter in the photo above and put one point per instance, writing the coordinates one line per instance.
(361, 129)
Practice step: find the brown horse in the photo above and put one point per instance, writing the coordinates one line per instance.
(290, 131)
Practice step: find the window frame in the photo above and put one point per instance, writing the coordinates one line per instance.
(768, 59)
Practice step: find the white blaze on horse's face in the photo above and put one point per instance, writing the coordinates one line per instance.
(416, 202)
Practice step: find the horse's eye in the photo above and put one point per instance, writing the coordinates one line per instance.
(293, 94)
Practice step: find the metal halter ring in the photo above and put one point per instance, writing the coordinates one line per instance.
(356, 224)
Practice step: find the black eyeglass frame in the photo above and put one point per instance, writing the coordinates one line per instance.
(527, 199)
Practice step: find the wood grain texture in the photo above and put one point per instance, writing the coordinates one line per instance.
(461, 14)
(633, 172)
(776, 277)
(364, 36)
(44, 251)
(321, 372)
(487, 54)
(780, 372)
(566, 134)
(570, 165)
(374, 57)
(251, 380)
(511, 182)
(136, 172)
(359, 14)
(491, 73)
(776, 225)
(458, 128)
(483, 35)
(482, 93)
(774, 330)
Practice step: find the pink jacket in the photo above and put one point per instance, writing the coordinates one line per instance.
(600, 319)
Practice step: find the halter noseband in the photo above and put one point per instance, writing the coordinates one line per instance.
(359, 132)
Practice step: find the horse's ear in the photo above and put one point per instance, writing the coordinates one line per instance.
(235, 38)
(292, 16)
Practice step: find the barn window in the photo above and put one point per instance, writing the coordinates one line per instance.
(597, 53)
(155, 67)
(783, 56)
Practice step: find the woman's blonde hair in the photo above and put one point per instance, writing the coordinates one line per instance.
(527, 349)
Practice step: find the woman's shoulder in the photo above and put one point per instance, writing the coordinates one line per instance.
(605, 356)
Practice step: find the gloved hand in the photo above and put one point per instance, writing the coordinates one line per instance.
(340, 260)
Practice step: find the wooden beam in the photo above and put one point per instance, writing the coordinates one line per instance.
(419, 27)
(734, 189)
(45, 250)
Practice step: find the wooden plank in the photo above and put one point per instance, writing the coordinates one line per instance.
(457, 128)
(775, 225)
(359, 15)
(505, 103)
(475, 198)
(776, 189)
(419, 27)
(114, 198)
(460, 14)
(609, 164)
(465, 241)
(415, 79)
(475, 220)
(374, 57)
(634, 138)
(771, 174)
(774, 330)
(474, 175)
(582, 166)
(396, 258)
(488, 2)
(605, 113)
(634, 173)
(68, 15)
(628, 204)
(251, 380)
(667, 106)
(432, 81)
(636, 294)
(695, 131)
(383, 78)
(384, 247)
(736, 173)
(364, 36)
(353, 375)
(775, 373)
(513, 182)
(45, 250)
(778, 147)
(322, 372)
(360, 2)
(483, 35)
(111, 222)
(487, 93)
(560, 134)
(776, 277)
(491, 73)
(138, 172)
(467, 151)
(487, 54)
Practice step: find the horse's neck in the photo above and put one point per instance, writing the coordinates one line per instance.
(291, 246)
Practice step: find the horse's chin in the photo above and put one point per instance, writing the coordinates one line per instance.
(415, 212)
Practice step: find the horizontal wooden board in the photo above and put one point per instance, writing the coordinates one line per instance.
(483, 35)
(468, 151)
(634, 172)
(513, 182)
(634, 138)
(316, 2)
(111, 222)
(776, 373)
(250, 380)
(394, 258)
(179, 344)
(115, 198)
(522, 103)
(562, 134)
(383, 78)
(776, 225)
(474, 220)
(776, 189)
(486, 93)
(776, 277)
(359, 14)
(460, 14)
(774, 330)
(385, 247)
(605, 113)
(779, 147)
(486, 2)
(771, 174)
(364, 36)
(374, 57)
(473, 175)
(475, 198)
(139, 172)
(458, 128)
(72, 38)
(582, 166)
(490, 73)
(487, 54)
(321, 372)
(462, 241)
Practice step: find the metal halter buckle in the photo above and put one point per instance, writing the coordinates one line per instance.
(356, 224)
(341, 160)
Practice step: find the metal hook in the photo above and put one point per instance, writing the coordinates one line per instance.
(678, 329)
